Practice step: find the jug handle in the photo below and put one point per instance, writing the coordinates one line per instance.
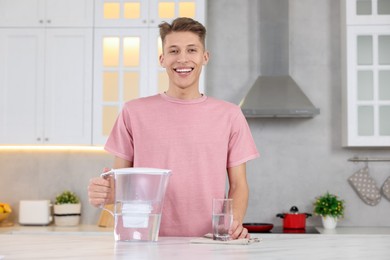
(105, 175)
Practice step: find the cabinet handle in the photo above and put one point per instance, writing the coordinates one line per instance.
(40, 21)
(48, 21)
(151, 21)
(144, 21)
(46, 139)
(38, 139)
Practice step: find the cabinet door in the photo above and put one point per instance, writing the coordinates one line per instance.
(121, 13)
(368, 85)
(167, 10)
(137, 13)
(18, 13)
(69, 13)
(365, 12)
(21, 85)
(42, 13)
(68, 91)
(120, 74)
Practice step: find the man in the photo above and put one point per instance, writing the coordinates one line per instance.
(201, 139)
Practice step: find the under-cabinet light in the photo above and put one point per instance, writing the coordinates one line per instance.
(51, 148)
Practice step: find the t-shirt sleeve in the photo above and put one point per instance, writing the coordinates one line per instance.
(120, 140)
(242, 147)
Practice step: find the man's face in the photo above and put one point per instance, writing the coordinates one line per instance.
(183, 57)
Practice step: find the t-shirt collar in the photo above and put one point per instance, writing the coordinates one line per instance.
(183, 101)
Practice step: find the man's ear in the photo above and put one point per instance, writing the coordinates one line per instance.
(206, 57)
(161, 58)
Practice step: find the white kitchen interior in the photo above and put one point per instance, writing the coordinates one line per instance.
(315, 42)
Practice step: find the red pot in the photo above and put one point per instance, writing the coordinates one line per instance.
(294, 219)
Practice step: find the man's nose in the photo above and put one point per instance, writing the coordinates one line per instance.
(182, 57)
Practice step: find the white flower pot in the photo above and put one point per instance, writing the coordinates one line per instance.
(67, 214)
(329, 222)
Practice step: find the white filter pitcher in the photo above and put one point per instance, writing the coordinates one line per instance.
(139, 197)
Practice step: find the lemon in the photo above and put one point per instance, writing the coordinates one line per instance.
(2, 210)
(7, 208)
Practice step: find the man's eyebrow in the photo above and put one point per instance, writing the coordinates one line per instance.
(189, 45)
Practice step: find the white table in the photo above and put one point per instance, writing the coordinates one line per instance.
(97, 245)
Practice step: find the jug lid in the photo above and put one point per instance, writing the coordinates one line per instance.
(140, 170)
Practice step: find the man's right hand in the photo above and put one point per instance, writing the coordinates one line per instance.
(101, 191)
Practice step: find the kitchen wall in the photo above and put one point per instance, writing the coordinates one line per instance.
(32, 175)
(300, 158)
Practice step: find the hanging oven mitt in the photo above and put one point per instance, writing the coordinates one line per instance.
(386, 188)
(365, 186)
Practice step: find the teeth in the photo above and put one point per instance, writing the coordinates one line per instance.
(183, 70)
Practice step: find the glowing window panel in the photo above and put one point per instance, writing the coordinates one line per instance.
(110, 86)
(166, 10)
(111, 11)
(110, 114)
(132, 11)
(163, 82)
(130, 85)
(187, 9)
(111, 51)
(131, 49)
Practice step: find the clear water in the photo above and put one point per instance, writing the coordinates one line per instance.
(221, 226)
(137, 227)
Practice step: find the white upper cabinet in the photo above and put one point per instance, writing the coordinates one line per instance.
(46, 13)
(21, 85)
(45, 86)
(46, 72)
(367, 12)
(58, 58)
(366, 74)
(68, 87)
(145, 13)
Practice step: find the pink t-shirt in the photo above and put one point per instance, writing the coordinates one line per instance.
(196, 139)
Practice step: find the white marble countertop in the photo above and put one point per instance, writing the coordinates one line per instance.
(85, 242)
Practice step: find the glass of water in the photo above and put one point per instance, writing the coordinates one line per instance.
(222, 218)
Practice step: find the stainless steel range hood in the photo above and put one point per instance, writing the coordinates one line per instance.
(277, 96)
(275, 93)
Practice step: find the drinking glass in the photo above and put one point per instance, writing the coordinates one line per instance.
(222, 218)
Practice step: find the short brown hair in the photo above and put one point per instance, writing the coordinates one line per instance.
(183, 24)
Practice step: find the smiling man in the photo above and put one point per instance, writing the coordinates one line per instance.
(203, 141)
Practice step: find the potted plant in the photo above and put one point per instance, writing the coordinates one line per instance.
(67, 209)
(330, 208)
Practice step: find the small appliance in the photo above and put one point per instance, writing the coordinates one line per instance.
(35, 212)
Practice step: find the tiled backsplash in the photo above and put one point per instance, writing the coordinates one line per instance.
(38, 175)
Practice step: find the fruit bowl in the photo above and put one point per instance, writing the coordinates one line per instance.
(3, 216)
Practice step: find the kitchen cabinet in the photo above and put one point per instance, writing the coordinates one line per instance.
(45, 77)
(367, 12)
(127, 47)
(145, 13)
(366, 73)
(46, 13)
